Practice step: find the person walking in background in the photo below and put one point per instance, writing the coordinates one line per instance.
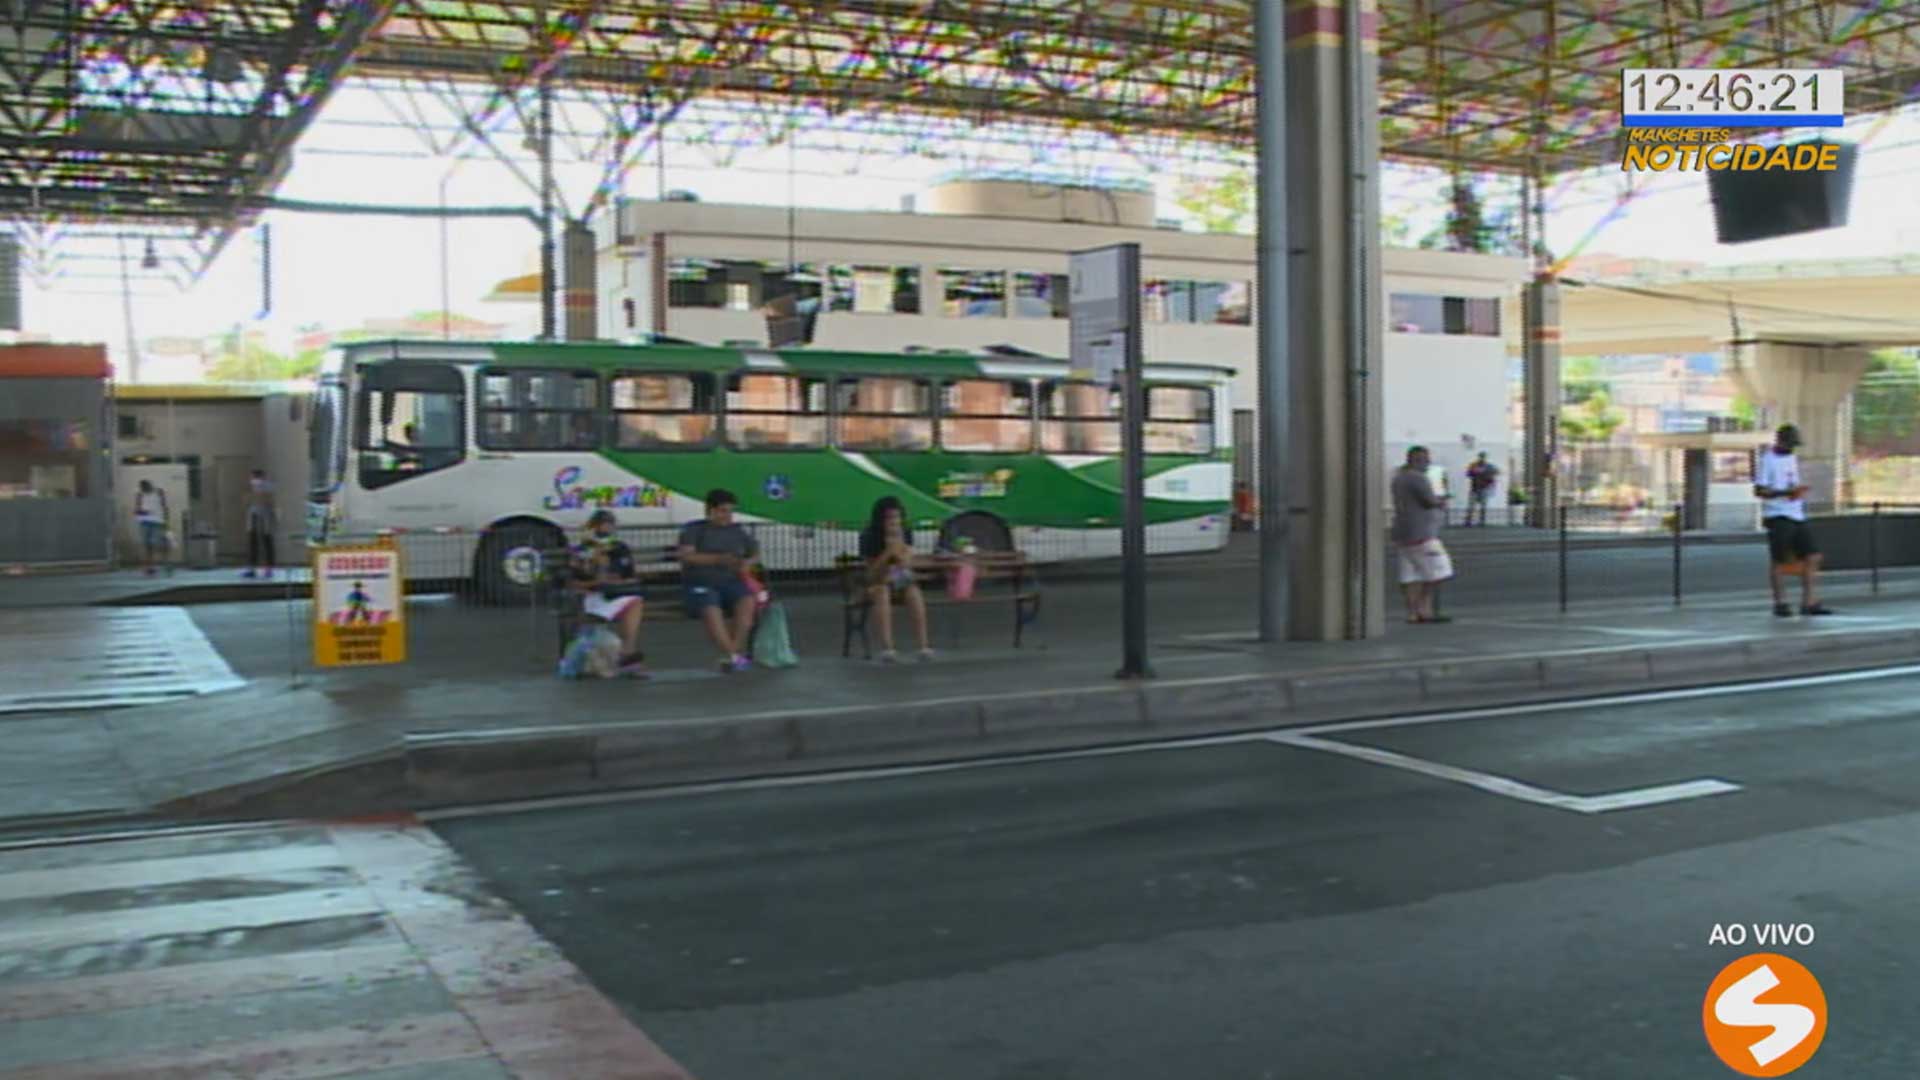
(1481, 476)
(260, 560)
(1418, 512)
(150, 517)
(1783, 511)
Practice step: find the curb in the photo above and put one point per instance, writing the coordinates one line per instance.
(443, 770)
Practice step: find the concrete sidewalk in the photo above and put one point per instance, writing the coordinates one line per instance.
(477, 714)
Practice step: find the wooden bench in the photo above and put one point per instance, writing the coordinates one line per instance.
(1001, 577)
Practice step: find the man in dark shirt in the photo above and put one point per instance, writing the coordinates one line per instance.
(715, 555)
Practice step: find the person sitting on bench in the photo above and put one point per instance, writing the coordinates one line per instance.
(887, 546)
(604, 571)
(715, 554)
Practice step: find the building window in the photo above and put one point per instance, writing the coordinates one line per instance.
(973, 293)
(1079, 418)
(884, 413)
(1170, 301)
(776, 412)
(875, 290)
(45, 459)
(1179, 420)
(1420, 313)
(129, 426)
(539, 410)
(658, 411)
(987, 416)
(1039, 296)
(736, 284)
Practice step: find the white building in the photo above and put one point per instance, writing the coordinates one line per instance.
(984, 262)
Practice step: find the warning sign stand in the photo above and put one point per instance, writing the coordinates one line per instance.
(359, 606)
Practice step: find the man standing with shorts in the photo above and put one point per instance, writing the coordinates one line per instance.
(1783, 510)
(1417, 515)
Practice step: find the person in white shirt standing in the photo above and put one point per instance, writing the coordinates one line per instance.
(1783, 510)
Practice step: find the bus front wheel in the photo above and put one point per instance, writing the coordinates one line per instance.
(508, 566)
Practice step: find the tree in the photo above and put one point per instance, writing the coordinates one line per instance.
(1580, 379)
(1594, 421)
(1886, 404)
(1223, 205)
(244, 359)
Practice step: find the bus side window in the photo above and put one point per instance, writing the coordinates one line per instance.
(1179, 420)
(776, 412)
(1079, 418)
(663, 410)
(884, 413)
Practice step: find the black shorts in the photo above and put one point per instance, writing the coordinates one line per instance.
(1789, 540)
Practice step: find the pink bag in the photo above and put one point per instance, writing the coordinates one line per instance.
(960, 580)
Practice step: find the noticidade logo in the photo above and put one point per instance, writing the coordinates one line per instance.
(1764, 1015)
(1712, 150)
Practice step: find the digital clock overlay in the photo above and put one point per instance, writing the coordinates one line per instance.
(1732, 97)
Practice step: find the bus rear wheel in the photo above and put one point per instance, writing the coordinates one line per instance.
(508, 566)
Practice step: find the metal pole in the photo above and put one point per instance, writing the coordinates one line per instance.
(546, 210)
(1563, 559)
(1133, 479)
(446, 272)
(1873, 547)
(1678, 509)
(293, 636)
(1271, 291)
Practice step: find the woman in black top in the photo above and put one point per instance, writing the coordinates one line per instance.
(887, 546)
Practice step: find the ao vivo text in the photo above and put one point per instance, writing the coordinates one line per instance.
(1761, 934)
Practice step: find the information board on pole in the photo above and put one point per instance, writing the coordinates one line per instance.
(1098, 313)
(359, 606)
(1104, 335)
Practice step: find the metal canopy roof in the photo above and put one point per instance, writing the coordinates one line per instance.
(186, 112)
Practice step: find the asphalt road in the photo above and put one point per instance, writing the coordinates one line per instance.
(1260, 909)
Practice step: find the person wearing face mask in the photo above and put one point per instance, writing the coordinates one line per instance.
(604, 572)
(1783, 510)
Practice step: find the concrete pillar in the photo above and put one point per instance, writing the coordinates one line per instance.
(580, 286)
(1336, 582)
(1806, 385)
(1540, 319)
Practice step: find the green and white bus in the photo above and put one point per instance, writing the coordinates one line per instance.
(506, 448)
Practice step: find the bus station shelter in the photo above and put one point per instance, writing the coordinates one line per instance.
(155, 115)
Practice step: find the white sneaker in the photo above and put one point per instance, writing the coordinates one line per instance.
(926, 655)
(888, 656)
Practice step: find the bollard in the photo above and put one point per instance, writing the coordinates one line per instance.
(1677, 540)
(1873, 547)
(1563, 558)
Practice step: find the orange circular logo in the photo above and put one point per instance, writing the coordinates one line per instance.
(1765, 1015)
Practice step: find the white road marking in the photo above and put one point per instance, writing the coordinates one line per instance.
(1589, 628)
(97, 658)
(1510, 788)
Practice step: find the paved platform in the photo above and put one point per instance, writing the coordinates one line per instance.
(365, 950)
(477, 714)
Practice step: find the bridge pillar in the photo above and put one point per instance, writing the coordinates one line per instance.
(1805, 384)
(1336, 483)
(1540, 319)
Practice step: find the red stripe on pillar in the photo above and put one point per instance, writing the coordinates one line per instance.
(1323, 22)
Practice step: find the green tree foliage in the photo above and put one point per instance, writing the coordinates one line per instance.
(1886, 404)
(243, 360)
(1593, 420)
(1580, 379)
(1229, 205)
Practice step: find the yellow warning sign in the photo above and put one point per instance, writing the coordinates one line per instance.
(359, 606)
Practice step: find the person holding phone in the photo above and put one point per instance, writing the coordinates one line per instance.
(887, 546)
(1783, 511)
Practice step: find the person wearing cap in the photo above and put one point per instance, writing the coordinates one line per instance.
(604, 572)
(1783, 511)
